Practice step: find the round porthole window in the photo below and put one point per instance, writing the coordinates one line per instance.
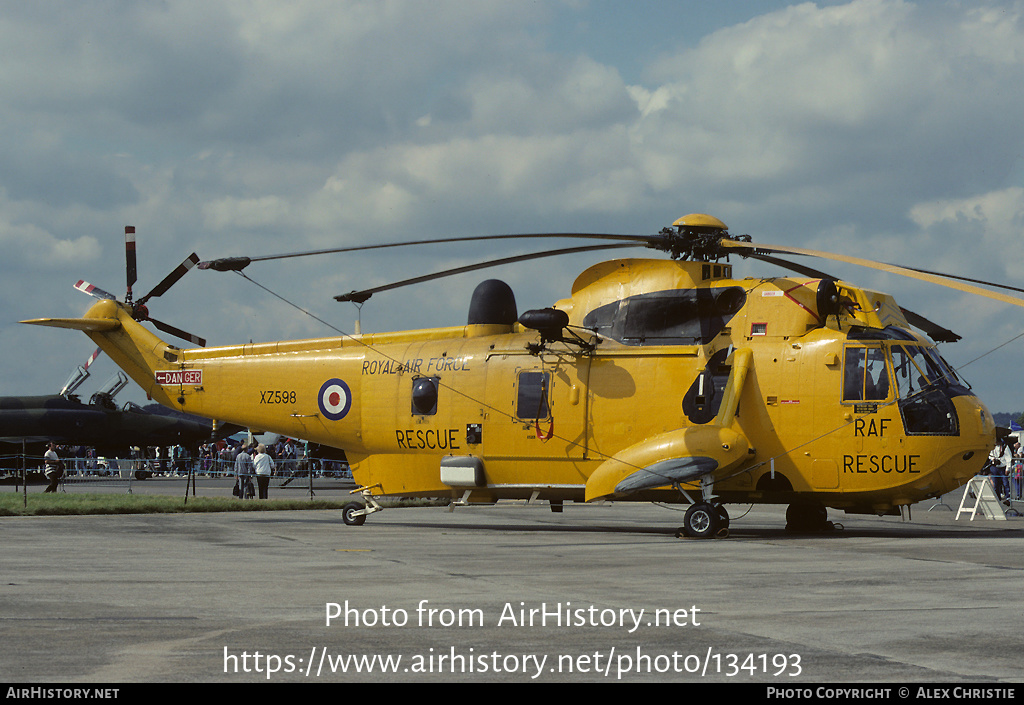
(424, 396)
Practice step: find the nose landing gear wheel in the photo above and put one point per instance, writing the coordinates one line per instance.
(349, 516)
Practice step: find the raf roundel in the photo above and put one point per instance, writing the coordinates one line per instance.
(335, 399)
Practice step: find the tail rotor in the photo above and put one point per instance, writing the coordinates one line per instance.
(140, 312)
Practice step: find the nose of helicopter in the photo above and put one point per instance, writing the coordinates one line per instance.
(955, 458)
(977, 437)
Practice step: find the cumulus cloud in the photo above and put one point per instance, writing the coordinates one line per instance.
(990, 223)
(885, 102)
(804, 113)
(37, 248)
(881, 126)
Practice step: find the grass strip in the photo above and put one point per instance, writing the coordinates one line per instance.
(13, 504)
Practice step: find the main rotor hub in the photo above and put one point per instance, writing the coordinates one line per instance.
(696, 236)
(140, 312)
(700, 222)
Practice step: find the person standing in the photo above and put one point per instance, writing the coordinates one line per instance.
(53, 468)
(264, 465)
(179, 460)
(999, 460)
(1017, 471)
(243, 473)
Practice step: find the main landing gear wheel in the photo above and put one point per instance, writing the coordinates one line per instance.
(808, 518)
(704, 521)
(349, 516)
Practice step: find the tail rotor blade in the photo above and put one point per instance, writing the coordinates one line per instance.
(87, 288)
(79, 376)
(178, 332)
(171, 279)
(92, 358)
(131, 269)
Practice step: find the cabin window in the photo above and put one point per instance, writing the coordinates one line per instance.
(672, 317)
(532, 395)
(865, 375)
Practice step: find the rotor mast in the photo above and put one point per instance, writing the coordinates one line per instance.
(696, 237)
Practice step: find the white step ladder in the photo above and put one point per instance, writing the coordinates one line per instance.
(984, 498)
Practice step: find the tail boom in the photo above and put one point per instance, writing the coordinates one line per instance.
(132, 347)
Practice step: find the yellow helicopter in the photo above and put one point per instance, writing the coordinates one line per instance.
(660, 380)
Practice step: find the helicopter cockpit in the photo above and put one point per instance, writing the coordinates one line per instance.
(893, 366)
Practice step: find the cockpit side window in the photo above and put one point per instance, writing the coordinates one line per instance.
(912, 370)
(943, 368)
(925, 383)
(865, 375)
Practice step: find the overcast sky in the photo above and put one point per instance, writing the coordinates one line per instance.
(876, 128)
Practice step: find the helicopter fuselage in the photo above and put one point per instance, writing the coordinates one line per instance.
(676, 373)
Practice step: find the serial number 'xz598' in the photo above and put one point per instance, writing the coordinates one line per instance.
(277, 396)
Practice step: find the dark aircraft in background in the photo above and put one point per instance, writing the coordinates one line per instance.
(30, 421)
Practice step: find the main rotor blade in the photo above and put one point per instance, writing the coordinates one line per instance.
(753, 248)
(239, 263)
(968, 279)
(361, 296)
(932, 329)
(171, 279)
(799, 268)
